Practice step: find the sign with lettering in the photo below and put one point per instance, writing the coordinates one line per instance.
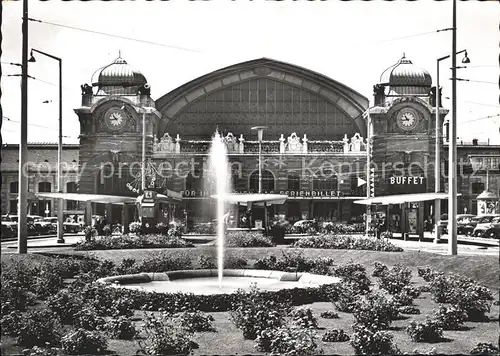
(407, 184)
(299, 194)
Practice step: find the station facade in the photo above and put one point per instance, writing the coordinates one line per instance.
(315, 147)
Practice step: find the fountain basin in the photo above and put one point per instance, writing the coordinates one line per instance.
(205, 282)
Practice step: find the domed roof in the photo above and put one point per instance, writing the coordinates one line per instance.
(487, 195)
(405, 73)
(119, 78)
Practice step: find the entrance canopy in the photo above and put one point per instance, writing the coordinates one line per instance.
(402, 198)
(255, 199)
(94, 198)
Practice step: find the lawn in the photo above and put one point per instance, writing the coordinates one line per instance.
(229, 340)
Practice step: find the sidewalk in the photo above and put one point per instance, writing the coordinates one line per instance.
(465, 245)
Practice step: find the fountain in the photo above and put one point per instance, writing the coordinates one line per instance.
(218, 169)
(204, 281)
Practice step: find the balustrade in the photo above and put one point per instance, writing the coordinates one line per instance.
(293, 144)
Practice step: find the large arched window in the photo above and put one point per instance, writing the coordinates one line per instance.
(267, 181)
(325, 179)
(293, 181)
(44, 187)
(14, 187)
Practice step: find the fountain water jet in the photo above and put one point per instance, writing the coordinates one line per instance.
(218, 168)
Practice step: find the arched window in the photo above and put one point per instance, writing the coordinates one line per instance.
(267, 181)
(293, 181)
(44, 187)
(14, 187)
(325, 179)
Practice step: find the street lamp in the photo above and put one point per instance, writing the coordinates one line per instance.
(60, 226)
(437, 174)
(260, 131)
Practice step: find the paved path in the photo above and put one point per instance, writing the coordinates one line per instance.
(466, 246)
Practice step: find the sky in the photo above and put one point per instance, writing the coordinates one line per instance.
(351, 42)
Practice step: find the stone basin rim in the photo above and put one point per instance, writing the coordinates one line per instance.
(146, 277)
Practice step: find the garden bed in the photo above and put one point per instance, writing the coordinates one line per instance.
(228, 339)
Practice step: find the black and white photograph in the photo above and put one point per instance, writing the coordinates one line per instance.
(247, 177)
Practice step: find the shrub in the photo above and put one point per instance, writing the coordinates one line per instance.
(163, 337)
(133, 241)
(303, 317)
(346, 298)
(41, 351)
(347, 242)
(374, 311)
(90, 233)
(403, 298)
(379, 269)
(425, 331)
(120, 328)
(409, 309)
(428, 273)
(329, 314)
(127, 266)
(88, 319)
(82, 342)
(15, 295)
(366, 341)
(395, 279)
(235, 262)
(10, 322)
(474, 299)
(40, 328)
(196, 321)
(450, 318)
(247, 239)
(255, 313)
(295, 260)
(163, 262)
(65, 305)
(135, 227)
(206, 261)
(483, 348)
(354, 274)
(287, 341)
(336, 335)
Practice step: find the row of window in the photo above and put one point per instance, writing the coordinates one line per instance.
(45, 187)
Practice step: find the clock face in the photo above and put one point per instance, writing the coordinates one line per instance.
(115, 119)
(407, 119)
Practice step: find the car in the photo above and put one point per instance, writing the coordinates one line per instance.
(67, 226)
(462, 221)
(468, 228)
(9, 227)
(483, 224)
(493, 232)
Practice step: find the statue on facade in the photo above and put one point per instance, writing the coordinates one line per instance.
(86, 89)
(231, 143)
(241, 144)
(356, 143)
(282, 144)
(345, 140)
(304, 145)
(294, 144)
(155, 143)
(166, 143)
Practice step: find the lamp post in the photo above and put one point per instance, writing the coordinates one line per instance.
(60, 224)
(437, 161)
(260, 131)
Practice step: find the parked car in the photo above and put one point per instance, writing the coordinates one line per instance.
(493, 232)
(483, 224)
(468, 228)
(68, 226)
(9, 227)
(462, 221)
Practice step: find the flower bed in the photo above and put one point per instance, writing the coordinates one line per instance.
(132, 241)
(243, 238)
(328, 241)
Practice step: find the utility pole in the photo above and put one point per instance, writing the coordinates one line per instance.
(22, 224)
